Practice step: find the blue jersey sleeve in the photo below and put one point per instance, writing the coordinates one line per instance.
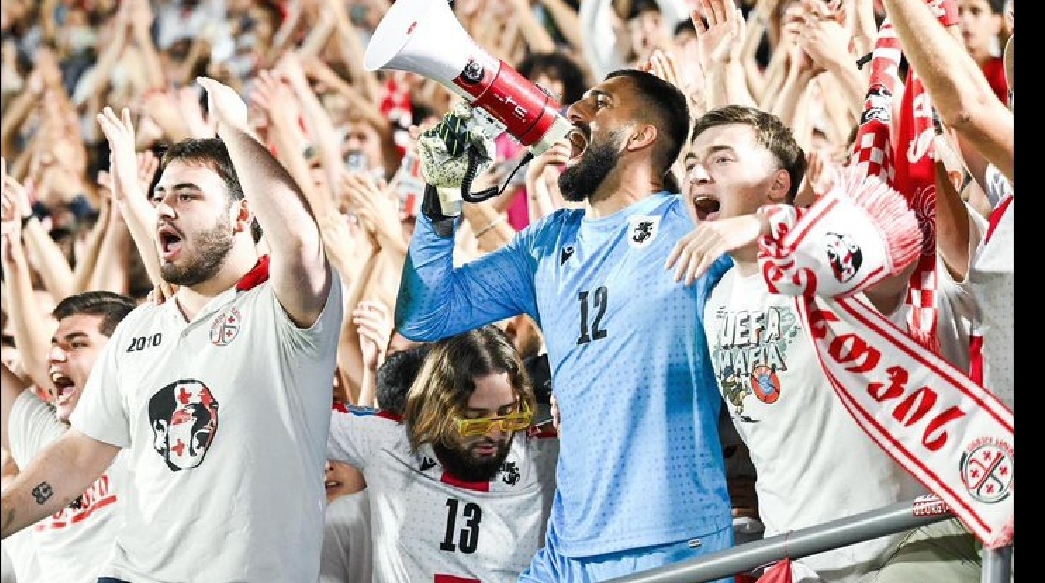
(437, 300)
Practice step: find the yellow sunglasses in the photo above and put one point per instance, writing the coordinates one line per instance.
(507, 423)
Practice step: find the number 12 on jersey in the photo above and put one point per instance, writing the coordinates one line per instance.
(593, 306)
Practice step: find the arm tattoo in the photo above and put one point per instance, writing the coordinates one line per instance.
(42, 493)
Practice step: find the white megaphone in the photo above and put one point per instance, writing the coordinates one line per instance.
(424, 37)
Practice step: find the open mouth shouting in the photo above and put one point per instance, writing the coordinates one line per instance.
(63, 387)
(580, 138)
(170, 241)
(706, 207)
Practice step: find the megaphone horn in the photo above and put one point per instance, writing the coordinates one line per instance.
(424, 37)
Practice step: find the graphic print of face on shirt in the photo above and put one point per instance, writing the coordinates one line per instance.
(184, 419)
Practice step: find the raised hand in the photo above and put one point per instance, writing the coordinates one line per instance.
(723, 35)
(339, 236)
(290, 68)
(374, 323)
(378, 211)
(16, 192)
(14, 205)
(227, 107)
(662, 64)
(547, 167)
(823, 37)
(148, 164)
(161, 293)
(821, 175)
(141, 15)
(162, 107)
(10, 216)
(123, 160)
(192, 112)
(695, 252)
(273, 96)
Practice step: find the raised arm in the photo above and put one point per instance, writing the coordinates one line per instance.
(533, 33)
(720, 41)
(298, 269)
(141, 30)
(130, 175)
(319, 126)
(567, 21)
(31, 338)
(959, 90)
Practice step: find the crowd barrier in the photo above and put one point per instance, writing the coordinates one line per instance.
(743, 558)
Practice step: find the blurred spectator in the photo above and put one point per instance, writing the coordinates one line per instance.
(982, 26)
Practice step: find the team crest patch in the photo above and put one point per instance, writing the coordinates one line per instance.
(877, 104)
(986, 469)
(510, 473)
(844, 256)
(225, 327)
(642, 230)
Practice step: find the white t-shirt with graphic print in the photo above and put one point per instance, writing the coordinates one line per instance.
(73, 543)
(814, 463)
(428, 526)
(224, 420)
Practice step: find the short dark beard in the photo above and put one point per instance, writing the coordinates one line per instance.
(462, 465)
(578, 183)
(213, 247)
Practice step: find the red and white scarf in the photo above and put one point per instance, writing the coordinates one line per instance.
(905, 162)
(941, 426)
(945, 429)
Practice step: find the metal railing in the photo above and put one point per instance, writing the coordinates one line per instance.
(853, 529)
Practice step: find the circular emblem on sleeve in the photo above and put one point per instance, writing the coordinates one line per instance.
(225, 327)
(987, 469)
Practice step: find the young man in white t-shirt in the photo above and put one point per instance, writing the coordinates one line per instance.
(73, 542)
(461, 487)
(814, 463)
(221, 395)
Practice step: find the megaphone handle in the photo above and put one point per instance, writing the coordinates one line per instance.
(473, 168)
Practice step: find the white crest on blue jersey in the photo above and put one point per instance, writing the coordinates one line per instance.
(642, 230)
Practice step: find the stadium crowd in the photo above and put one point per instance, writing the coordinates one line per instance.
(211, 209)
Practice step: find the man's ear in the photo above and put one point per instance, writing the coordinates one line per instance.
(779, 186)
(645, 135)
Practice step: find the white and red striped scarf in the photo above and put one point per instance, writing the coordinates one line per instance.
(947, 430)
(906, 163)
(944, 428)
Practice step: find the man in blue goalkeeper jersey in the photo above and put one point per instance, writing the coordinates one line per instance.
(641, 480)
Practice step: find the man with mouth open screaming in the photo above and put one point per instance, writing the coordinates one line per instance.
(641, 478)
(71, 543)
(220, 395)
